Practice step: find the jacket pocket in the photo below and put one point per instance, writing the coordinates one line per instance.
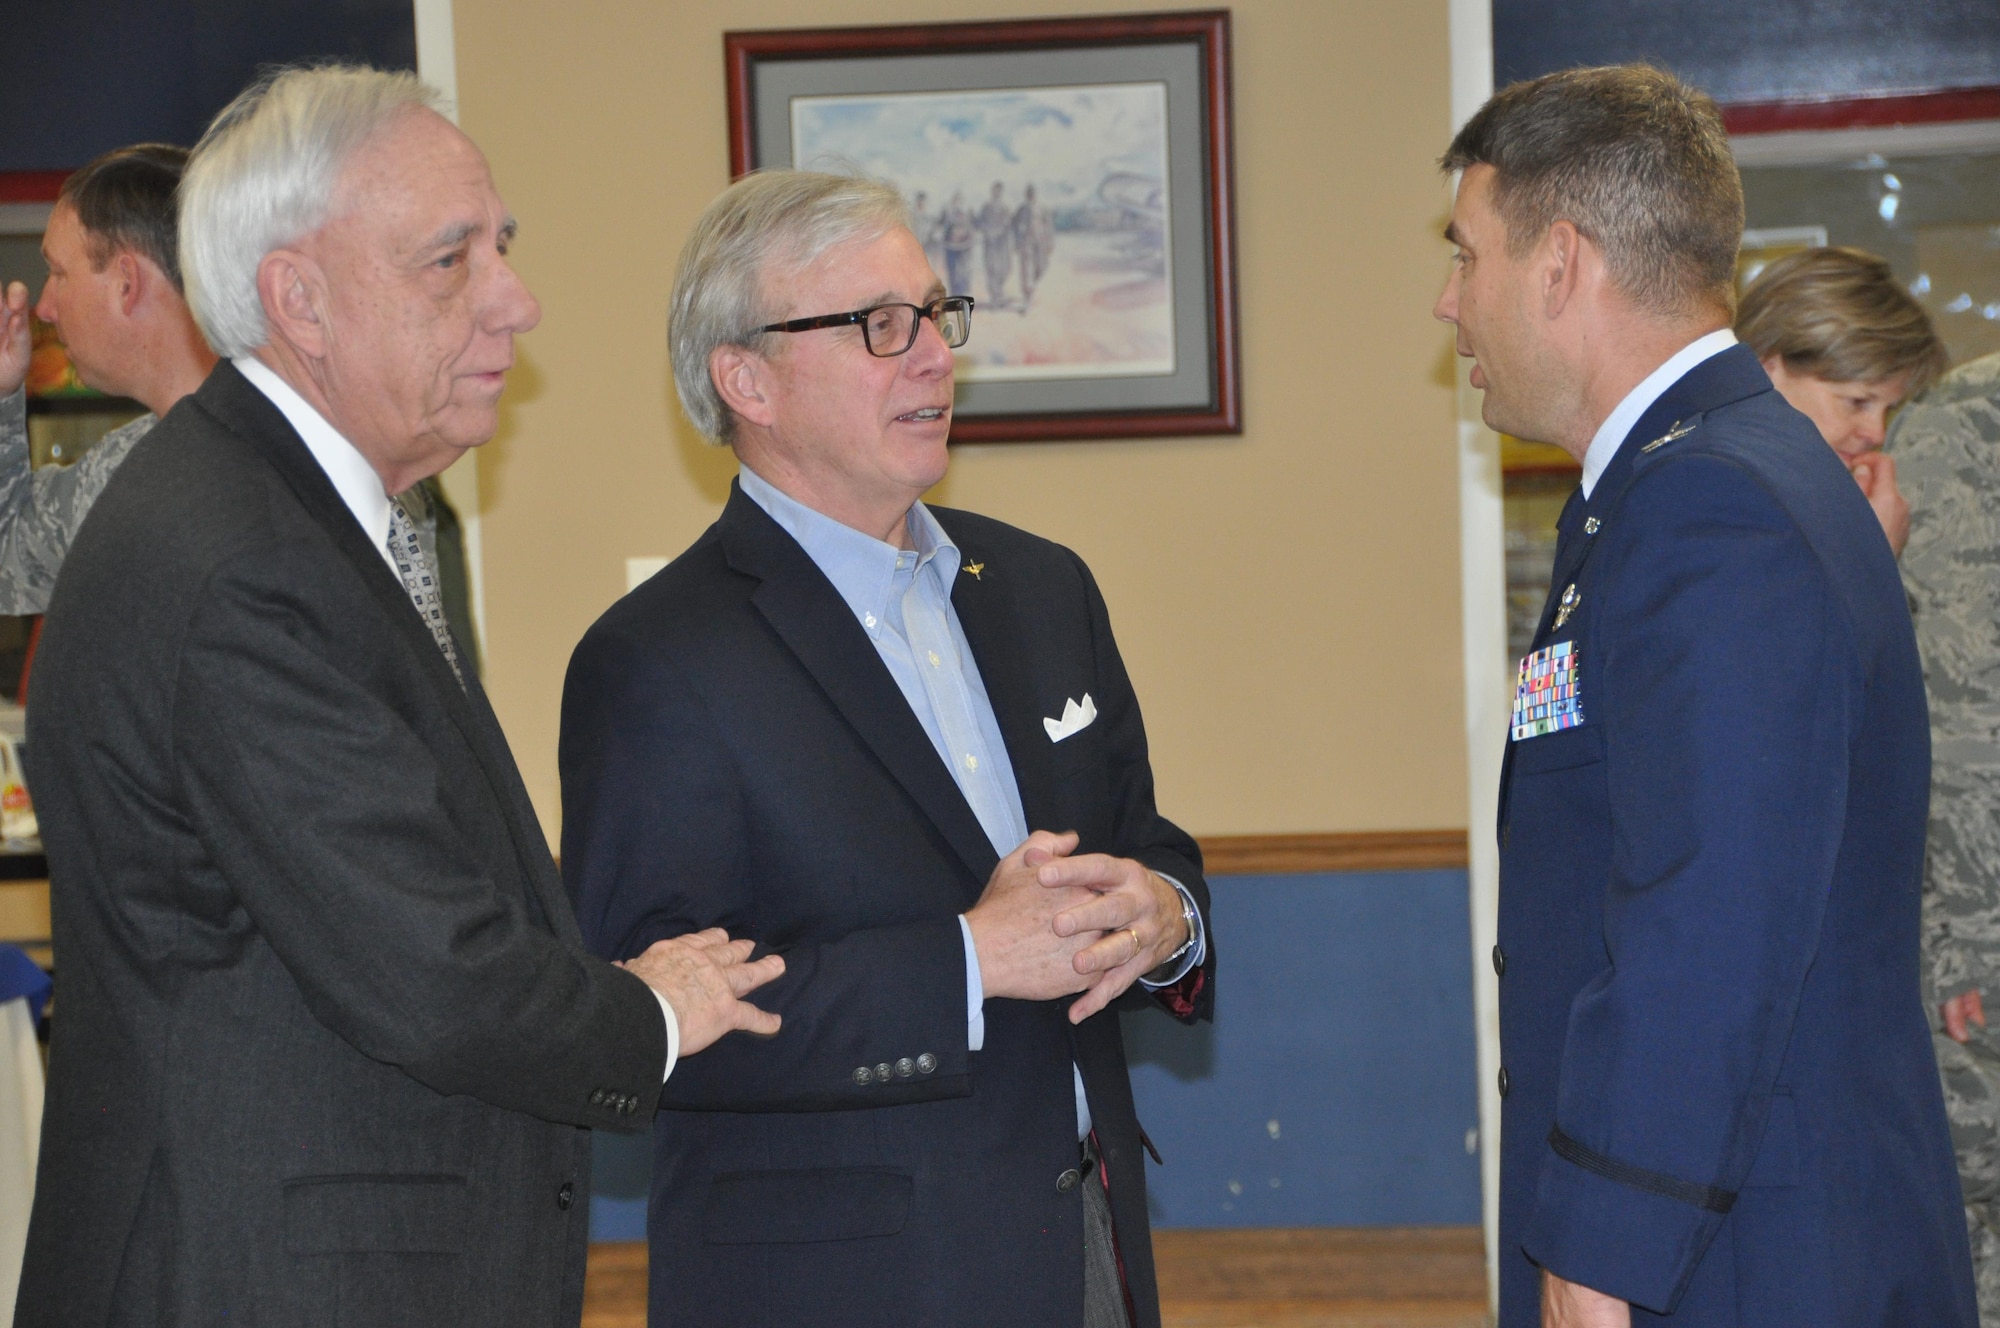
(795, 1207)
(375, 1214)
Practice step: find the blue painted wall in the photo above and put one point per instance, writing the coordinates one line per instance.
(1335, 1088)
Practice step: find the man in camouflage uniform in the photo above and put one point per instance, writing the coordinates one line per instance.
(1946, 446)
(114, 293)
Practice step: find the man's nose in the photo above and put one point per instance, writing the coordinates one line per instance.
(512, 307)
(45, 308)
(929, 355)
(1446, 308)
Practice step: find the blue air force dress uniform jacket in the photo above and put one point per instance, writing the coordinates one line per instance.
(1720, 1098)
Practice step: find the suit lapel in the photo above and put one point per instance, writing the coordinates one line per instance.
(991, 617)
(230, 398)
(814, 623)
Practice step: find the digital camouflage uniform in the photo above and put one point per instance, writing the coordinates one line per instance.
(40, 510)
(1946, 446)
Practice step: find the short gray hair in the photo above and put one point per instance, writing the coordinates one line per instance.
(1635, 159)
(263, 177)
(766, 220)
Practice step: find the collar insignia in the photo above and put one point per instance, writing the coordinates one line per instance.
(1679, 430)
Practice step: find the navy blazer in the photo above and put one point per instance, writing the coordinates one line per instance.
(1720, 1097)
(734, 753)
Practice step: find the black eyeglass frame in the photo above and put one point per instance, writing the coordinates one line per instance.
(925, 313)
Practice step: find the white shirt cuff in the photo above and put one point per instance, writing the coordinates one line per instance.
(1197, 953)
(673, 1034)
(975, 991)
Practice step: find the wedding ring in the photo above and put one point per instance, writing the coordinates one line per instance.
(1136, 947)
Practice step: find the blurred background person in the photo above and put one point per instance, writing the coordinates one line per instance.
(1946, 447)
(1845, 343)
(114, 295)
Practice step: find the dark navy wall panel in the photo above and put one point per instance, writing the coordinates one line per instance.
(1760, 50)
(1340, 1066)
(85, 76)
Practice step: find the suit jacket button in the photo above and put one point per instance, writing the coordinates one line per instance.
(884, 1073)
(1499, 962)
(565, 1196)
(905, 1068)
(596, 1097)
(926, 1063)
(1503, 1081)
(863, 1076)
(1067, 1181)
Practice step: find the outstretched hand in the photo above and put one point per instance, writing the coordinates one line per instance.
(16, 344)
(705, 976)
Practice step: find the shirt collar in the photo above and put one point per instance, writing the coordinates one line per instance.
(861, 567)
(353, 478)
(1610, 434)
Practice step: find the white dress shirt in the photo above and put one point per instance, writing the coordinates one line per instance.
(1605, 442)
(360, 487)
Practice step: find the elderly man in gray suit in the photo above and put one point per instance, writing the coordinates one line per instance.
(327, 1047)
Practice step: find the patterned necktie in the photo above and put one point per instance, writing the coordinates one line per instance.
(421, 581)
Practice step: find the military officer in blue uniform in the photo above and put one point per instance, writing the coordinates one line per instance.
(1720, 1103)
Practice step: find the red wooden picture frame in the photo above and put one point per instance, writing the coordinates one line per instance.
(745, 53)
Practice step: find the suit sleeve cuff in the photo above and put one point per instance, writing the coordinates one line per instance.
(1617, 1228)
(673, 1034)
(975, 991)
(1197, 953)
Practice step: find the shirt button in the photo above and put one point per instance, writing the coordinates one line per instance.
(971, 762)
(565, 1196)
(935, 661)
(1068, 1180)
(869, 622)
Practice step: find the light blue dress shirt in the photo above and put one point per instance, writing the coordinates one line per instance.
(902, 598)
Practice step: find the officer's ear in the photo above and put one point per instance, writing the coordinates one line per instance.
(1561, 267)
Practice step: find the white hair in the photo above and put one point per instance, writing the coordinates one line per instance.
(263, 177)
(721, 296)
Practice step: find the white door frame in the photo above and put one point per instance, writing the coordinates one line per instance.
(1483, 610)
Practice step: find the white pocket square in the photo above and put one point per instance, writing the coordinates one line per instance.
(1075, 718)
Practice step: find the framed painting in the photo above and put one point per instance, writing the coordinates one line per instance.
(1074, 176)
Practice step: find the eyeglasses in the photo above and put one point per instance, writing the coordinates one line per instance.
(888, 330)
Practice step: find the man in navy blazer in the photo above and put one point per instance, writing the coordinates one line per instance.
(1720, 1100)
(831, 725)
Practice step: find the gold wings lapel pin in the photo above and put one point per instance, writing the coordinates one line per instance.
(975, 569)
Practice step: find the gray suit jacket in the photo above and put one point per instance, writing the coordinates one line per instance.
(325, 1036)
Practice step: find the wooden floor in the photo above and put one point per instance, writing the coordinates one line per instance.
(1364, 1277)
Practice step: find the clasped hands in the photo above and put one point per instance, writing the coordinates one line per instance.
(1049, 924)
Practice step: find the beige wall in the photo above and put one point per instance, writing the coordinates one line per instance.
(1287, 601)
